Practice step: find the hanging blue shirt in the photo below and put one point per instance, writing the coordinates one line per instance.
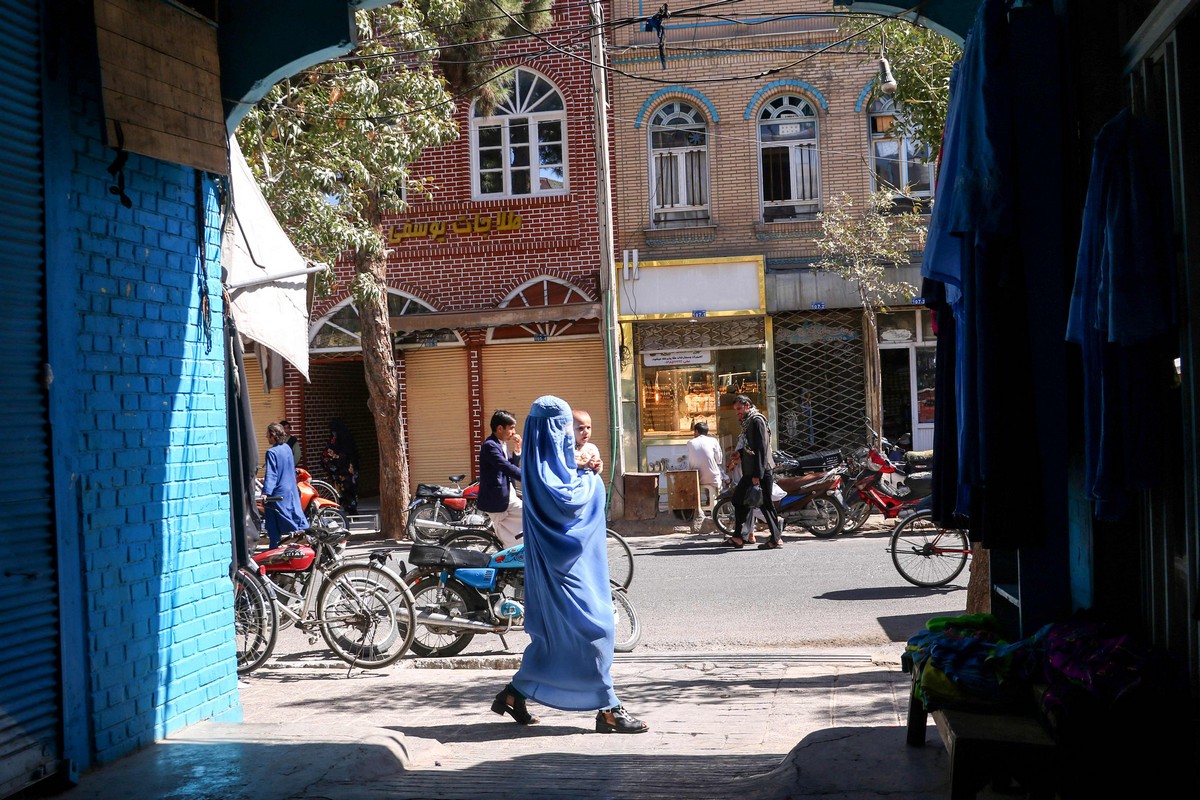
(569, 611)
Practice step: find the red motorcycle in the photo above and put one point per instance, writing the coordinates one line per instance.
(434, 508)
(319, 511)
(882, 484)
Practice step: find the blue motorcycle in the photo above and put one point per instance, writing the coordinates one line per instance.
(458, 593)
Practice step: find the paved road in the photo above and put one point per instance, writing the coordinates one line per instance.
(693, 596)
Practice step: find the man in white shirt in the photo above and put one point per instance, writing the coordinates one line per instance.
(705, 456)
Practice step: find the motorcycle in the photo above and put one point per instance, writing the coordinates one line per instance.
(435, 510)
(883, 483)
(320, 511)
(811, 496)
(459, 593)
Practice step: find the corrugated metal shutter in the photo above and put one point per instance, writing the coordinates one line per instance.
(264, 407)
(439, 414)
(31, 696)
(514, 375)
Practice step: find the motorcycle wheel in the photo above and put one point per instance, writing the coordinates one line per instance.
(627, 629)
(426, 512)
(331, 518)
(453, 599)
(723, 516)
(857, 514)
(830, 520)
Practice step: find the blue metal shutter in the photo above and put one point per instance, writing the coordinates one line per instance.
(31, 694)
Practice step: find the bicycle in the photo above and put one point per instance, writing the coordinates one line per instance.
(620, 556)
(255, 620)
(927, 554)
(362, 609)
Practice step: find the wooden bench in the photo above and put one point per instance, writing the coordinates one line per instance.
(989, 746)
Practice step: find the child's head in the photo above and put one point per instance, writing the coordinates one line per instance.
(583, 428)
(504, 424)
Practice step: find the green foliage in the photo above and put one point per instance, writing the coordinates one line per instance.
(921, 61)
(861, 245)
(330, 147)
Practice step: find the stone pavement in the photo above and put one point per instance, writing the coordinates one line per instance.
(752, 725)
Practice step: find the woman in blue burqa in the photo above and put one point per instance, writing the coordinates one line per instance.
(569, 611)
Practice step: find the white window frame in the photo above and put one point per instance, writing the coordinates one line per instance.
(884, 107)
(804, 158)
(520, 106)
(679, 115)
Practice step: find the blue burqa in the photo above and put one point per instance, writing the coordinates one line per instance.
(569, 611)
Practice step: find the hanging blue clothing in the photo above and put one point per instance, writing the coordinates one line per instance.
(569, 611)
(286, 515)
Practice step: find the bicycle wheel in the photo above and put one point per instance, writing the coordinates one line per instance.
(451, 599)
(426, 512)
(724, 516)
(366, 614)
(628, 631)
(926, 554)
(325, 490)
(857, 514)
(829, 518)
(331, 518)
(255, 621)
(620, 559)
(484, 541)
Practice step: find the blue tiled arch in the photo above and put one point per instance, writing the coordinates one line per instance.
(653, 99)
(791, 83)
(864, 95)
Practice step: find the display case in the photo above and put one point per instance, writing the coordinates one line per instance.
(676, 398)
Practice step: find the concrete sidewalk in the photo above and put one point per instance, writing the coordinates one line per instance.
(746, 725)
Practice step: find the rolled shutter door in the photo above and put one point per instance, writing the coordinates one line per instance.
(30, 641)
(266, 407)
(439, 414)
(514, 375)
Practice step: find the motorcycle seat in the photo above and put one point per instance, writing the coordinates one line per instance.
(799, 483)
(433, 490)
(435, 555)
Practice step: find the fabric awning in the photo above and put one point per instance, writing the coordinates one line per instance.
(265, 275)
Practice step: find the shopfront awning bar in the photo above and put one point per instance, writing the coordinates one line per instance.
(494, 317)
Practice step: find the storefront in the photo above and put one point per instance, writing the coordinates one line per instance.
(699, 336)
(907, 367)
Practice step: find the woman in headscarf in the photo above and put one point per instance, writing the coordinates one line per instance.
(341, 460)
(569, 611)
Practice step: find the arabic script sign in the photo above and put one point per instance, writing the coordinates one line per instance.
(463, 225)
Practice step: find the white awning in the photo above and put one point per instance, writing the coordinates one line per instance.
(265, 276)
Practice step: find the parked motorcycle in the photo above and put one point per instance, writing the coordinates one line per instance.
(883, 483)
(812, 495)
(459, 593)
(434, 510)
(321, 511)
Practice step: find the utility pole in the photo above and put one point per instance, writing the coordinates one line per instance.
(608, 281)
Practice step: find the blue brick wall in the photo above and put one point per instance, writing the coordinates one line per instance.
(150, 454)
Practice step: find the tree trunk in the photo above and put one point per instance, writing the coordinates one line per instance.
(379, 367)
(979, 585)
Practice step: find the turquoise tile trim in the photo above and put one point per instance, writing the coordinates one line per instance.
(654, 99)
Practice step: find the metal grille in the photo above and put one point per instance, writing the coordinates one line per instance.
(819, 380)
(657, 337)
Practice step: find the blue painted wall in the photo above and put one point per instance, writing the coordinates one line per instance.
(138, 419)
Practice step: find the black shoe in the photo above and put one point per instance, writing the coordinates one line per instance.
(510, 701)
(623, 722)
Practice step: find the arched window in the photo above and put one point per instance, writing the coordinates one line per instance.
(679, 161)
(545, 291)
(899, 164)
(520, 149)
(341, 330)
(789, 159)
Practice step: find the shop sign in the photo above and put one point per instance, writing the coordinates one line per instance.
(811, 333)
(677, 357)
(462, 225)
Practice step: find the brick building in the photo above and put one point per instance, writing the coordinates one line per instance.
(494, 281)
(722, 159)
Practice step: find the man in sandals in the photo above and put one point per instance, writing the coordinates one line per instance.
(755, 456)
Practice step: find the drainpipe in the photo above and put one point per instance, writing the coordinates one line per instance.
(608, 283)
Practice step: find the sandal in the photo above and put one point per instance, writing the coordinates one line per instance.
(622, 721)
(512, 702)
(771, 545)
(731, 542)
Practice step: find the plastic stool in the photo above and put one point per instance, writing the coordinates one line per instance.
(708, 498)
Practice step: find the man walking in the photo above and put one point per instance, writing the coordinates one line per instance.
(756, 464)
(498, 472)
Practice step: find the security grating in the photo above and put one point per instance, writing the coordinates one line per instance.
(819, 380)
(657, 337)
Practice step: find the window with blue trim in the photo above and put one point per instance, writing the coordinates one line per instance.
(789, 159)
(679, 193)
(520, 148)
(899, 164)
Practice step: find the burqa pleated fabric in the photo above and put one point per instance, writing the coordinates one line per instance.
(569, 611)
